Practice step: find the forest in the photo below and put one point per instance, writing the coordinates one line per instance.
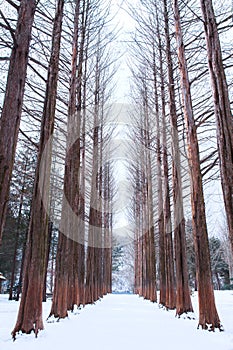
(116, 154)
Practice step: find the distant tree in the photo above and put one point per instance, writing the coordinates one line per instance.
(19, 211)
(117, 264)
(107, 234)
(191, 255)
(21, 188)
(220, 269)
(117, 258)
(8, 245)
(123, 267)
(228, 256)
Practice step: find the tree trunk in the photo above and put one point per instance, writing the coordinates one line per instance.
(138, 250)
(208, 316)
(95, 227)
(50, 230)
(107, 256)
(30, 311)
(151, 260)
(82, 199)
(76, 199)
(13, 101)
(169, 261)
(69, 236)
(222, 108)
(95, 234)
(19, 288)
(183, 300)
(162, 267)
(60, 294)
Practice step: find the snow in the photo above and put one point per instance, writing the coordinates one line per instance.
(120, 322)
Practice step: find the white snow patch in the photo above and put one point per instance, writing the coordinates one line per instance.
(188, 315)
(120, 322)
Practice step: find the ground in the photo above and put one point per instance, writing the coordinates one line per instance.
(120, 322)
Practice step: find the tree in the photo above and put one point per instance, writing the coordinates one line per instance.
(13, 101)
(21, 188)
(8, 244)
(183, 300)
(159, 145)
(222, 109)
(30, 311)
(220, 269)
(17, 220)
(208, 316)
(107, 224)
(86, 91)
(117, 263)
(191, 255)
(64, 265)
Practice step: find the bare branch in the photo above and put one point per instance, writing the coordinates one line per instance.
(11, 30)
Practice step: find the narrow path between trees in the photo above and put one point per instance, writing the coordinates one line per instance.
(120, 322)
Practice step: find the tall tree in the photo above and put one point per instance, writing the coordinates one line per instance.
(95, 233)
(13, 101)
(107, 235)
(151, 293)
(208, 316)
(67, 236)
(222, 109)
(183, 300)
(30, 310)
(169, 259)
(162, 267)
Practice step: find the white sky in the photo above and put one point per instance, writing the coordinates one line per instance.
(125, 24)
(213, 192)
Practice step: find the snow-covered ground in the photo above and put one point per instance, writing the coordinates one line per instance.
(120, 322)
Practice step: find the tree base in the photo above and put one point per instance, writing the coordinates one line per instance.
(187, 316)
(211, 327)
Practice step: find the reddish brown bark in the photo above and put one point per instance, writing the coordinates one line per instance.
(50, 229)
(183, 300)
(95, 227)
(151, 259)
(94, 250)
(13, 102)
(162, 263)
(94, 269)
(138, 248)
(30, 311)
(168, 243)
(66, 293)
(208, 316)
(81, 247)
(76, 182)
(60, 293)
(169, 260)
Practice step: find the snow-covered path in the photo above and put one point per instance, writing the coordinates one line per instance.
(120, 322)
